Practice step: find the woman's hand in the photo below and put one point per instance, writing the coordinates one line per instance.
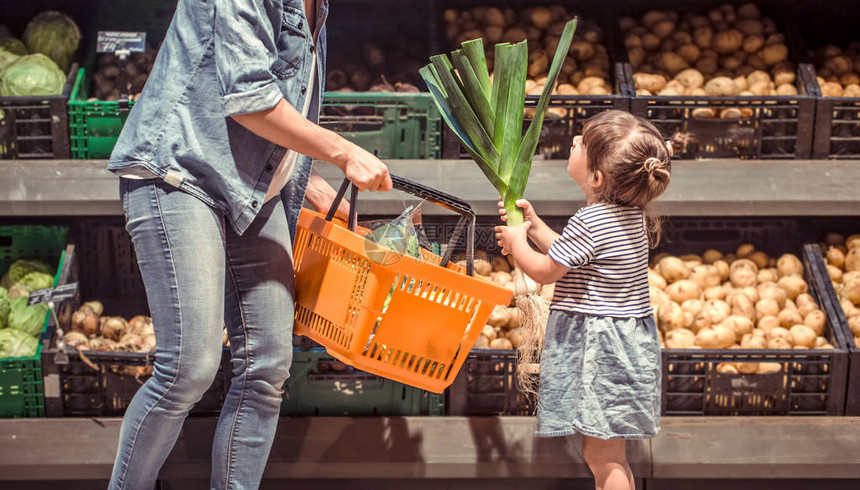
(365, 171)
(509, 238)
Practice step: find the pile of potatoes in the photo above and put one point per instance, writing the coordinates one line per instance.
(728, 52)
(586, 69)
(839, 70)
(744, 300)
(842, 257)
(502, 328)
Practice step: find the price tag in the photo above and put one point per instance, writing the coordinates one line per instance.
(53, 295)
(121, 42)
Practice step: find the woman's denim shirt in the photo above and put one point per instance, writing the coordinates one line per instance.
(220, 58)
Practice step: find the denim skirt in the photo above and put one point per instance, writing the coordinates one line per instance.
(600, 377)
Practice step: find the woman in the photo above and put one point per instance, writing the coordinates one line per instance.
(211, 195)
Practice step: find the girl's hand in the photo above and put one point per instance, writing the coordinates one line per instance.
(509, 237)
(529, 214)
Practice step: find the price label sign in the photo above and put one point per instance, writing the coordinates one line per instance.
(53, 295)
(121, 42)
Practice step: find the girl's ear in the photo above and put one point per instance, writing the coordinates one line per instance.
(597, 179)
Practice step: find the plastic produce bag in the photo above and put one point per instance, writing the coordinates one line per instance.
(389, 241)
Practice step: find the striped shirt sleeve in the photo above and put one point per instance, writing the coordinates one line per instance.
(575, 247)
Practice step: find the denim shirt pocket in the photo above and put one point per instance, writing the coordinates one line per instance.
(290, 41)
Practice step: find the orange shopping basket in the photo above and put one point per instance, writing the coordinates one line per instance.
(403, 318)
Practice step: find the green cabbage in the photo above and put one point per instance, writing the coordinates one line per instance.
(21, 268)
(35, 281)
(4, 308)
(34, 74)
(28, 319)
(7, 58)
(55, 35)
(14, 343)
(12, 45)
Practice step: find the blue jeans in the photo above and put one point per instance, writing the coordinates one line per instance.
(200, 276)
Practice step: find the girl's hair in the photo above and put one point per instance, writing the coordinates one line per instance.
(633, 157)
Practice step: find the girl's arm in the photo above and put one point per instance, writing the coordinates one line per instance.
(534, 264)
(539, 233)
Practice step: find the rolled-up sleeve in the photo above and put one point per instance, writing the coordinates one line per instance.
(245, 52)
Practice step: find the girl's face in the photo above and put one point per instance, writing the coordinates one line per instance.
(577, 164)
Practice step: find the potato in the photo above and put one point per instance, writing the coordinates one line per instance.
(723, 269)
(852, 90)
(722, 86)
(760, 259)
(727, 42)
(854, 325)
(501, 264)
(743, 262)
(743, 277)
(848, 307)
(850, 290)
(717, 310)
(715, 293)
(482, 343)
(835, 257)
(711, 256)
(773, 54)
(793, 286)
(767, 275)
(789, 318)
(690, 53)
(835, 273)
(489, 332)
(656, 280)
(691, 78)
(683, 290)
(701, 321)
(783, 76)
(741, 325)
(751, 293)
(831, 89)
(753, 342)
(680, 339)
(670, 316)
(498, 317)
(727, 368)
(852, 260)
(766, 307)
(789, 265)
(780, 333)
(501, 277)
(672, 269)
(770, 367)
(786, 89)
(816, 321)
(774, 292)
(706, 276)
(752, 44)
(852, 241)
(805, 299)
(743, 306)
(693, 306)
(716, 337)
(515, 337)
(513, 318)
(708, 66)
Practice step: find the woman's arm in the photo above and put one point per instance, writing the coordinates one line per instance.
(321, 195)
(285, 126)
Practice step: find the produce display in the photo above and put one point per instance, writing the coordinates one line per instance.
(107, 80)
(728, 52)
(743, 300)
(586, 70)
(842, 257)
(372, 67)
(20, 324)
(38, 64)
(838, 70)
(89, 329)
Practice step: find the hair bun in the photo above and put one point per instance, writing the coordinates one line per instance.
(651, 164)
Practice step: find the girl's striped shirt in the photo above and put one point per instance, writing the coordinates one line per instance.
(605, 246)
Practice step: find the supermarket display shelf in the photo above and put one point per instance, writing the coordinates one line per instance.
(826, 448)
(724, 187)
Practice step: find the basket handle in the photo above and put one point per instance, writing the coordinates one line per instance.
(447, 201)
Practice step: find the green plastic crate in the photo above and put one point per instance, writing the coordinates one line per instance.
(93, 126)
(21, 388)
(389, 125)
(315, 388)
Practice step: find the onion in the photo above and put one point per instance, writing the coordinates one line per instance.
(96, 307)
(148, 343)
(100, 343)
(131, 342)
(113, 327)
(74, 339)
(86, 321)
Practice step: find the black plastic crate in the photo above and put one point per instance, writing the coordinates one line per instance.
(107, 390)
(837, 127)
(824, 287)
(487, 385)
(37, 126)
(806, 382)
(693, 235)
(775, 127)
